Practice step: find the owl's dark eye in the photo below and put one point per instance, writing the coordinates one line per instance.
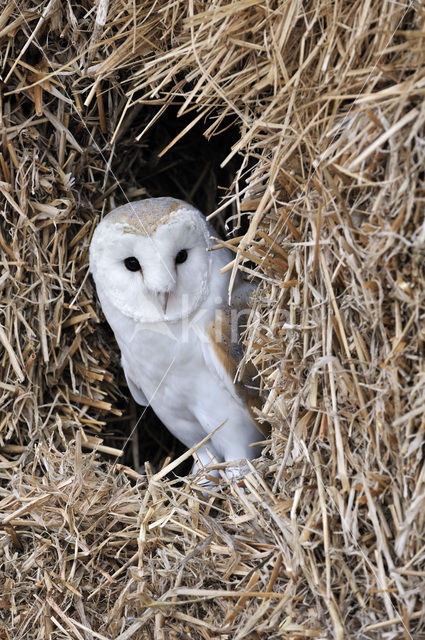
(132, 264)
(181, 256)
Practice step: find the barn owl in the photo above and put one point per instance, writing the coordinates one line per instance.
(162, 292)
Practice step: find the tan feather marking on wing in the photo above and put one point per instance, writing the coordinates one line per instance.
(219, 332)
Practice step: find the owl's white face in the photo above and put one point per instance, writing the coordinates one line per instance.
(149, 260)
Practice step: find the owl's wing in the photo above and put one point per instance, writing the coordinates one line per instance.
(135, 391)
(223, 351)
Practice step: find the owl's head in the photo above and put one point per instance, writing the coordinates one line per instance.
(149, 259)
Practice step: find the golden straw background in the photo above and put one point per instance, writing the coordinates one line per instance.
(324, 536)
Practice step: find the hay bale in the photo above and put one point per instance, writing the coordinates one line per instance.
(324, 536)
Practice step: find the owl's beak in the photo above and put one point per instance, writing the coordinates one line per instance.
(163, 300)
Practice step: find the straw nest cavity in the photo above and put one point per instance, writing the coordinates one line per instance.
(315, 110)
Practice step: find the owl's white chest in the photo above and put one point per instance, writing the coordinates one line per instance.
(162, 362)
(166, 362)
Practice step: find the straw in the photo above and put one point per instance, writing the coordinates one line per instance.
(302, 126)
